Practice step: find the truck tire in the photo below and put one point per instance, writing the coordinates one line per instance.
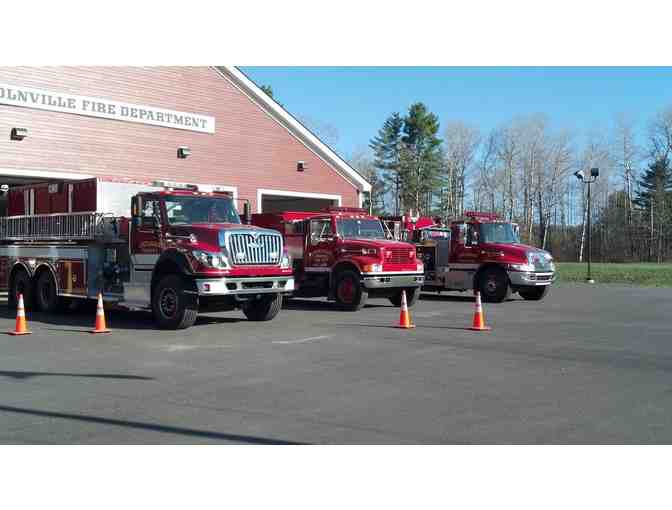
(21, 284)
(264, 308)
(46, 295)
(412, 296)
(533, 293)
(493, 283)
(349, 292)
(171, 309)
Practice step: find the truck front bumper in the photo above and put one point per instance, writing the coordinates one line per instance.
(392, 280)
(227, 286)
(525, 279)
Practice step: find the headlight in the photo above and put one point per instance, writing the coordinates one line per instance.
(522, 267)
(214, 260)
(286, 260)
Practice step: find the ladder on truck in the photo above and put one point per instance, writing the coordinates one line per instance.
(86, 226)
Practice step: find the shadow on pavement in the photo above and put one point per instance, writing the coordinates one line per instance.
(461, 298)
(309, 304)
(85, 316)
(146, 426)
(15, 374)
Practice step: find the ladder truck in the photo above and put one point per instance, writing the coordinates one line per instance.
(170, 248)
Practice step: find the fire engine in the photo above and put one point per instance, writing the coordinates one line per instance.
(166, 247)
(347, 255)
(479, 252)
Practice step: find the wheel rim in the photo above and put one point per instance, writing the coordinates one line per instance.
(491, 285)
(168, 303)
(346, 290)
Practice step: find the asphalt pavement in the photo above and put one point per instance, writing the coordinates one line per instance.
(590, 364)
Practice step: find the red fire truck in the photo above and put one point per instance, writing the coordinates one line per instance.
(478, 251)
(347, 255)
(168, 247)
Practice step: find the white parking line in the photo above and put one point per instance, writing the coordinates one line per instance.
(301, 340)
(429, 314)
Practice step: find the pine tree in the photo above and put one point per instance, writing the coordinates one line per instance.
(421, 158)
(655, 198)
(387, 153)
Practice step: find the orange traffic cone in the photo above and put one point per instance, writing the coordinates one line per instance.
(100, 317)
(21, 326)
(479, 320)
(404, 316)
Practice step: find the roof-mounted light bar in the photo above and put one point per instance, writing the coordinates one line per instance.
(477, 214)
(175, 185)
(359, 210)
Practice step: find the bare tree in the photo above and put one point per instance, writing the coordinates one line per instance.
(461, 142)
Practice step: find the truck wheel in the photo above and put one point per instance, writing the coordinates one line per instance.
(412, 296)
(46, 297)
(533, 293)
(263, 309)
(350, 293)
(494, 285)
(21, 284)
(169, 304)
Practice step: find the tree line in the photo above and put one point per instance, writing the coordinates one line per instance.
(523, 170)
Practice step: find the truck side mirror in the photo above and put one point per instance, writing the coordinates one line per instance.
(247, 213)
(136, 207)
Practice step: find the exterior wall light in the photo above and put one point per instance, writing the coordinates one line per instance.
(183, 152)
(301, 166)
(18, 134)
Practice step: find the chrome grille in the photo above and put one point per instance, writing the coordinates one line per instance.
(398, 255)
(247, 249)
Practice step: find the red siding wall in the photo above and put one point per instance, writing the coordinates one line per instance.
(249, 149)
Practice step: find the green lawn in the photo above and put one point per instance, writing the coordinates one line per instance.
(646, 275)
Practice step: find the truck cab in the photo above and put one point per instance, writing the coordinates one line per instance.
(479, 252)
(166, 247)
(346, 255)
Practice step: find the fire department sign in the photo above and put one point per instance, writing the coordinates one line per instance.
(104, 108)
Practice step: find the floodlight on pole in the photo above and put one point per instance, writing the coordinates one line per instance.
(581, 175)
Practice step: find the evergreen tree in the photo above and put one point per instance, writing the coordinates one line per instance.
(421, 158)
(655, 198)
(655, 185)
(387, 156)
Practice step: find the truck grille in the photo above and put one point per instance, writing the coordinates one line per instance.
(246, 249)
(398, 255)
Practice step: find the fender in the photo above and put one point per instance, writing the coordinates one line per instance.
(49, 268)
(172, 261)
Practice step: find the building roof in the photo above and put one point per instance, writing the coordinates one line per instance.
(282, 116)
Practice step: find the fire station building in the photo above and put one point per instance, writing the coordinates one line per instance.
(210, 126)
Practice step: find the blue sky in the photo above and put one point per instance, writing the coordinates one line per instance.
(356, 100)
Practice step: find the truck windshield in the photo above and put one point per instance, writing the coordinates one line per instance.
(186, 210)
(353, 228)
(498, 233)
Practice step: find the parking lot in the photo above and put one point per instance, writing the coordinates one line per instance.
(587, 365)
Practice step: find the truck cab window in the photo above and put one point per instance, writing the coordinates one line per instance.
(472, 235)
(187, 210)
(319, 230)
(151, 213)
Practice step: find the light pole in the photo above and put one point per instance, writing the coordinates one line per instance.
(580, 175)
